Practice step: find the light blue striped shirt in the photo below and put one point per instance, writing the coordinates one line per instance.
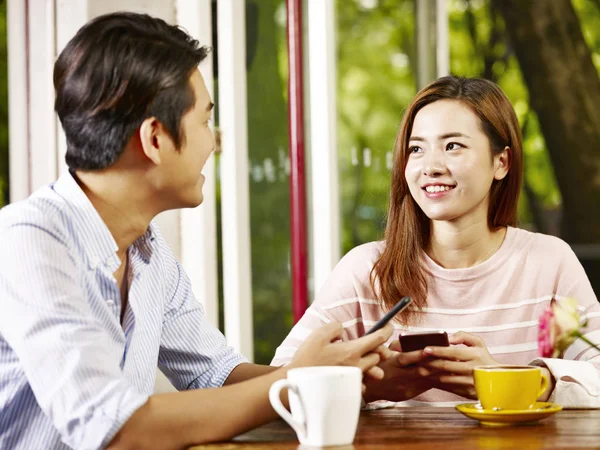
(71, 374)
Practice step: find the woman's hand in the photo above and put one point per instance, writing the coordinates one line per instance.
(402, 378)
(451, 368)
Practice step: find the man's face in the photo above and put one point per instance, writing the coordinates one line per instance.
(183, 167)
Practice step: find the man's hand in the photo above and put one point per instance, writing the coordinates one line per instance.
(321, 349)
(402, 379)
(451, 368)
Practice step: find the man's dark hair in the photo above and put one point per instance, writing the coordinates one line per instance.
(117, 71)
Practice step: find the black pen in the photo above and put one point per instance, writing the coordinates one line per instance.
(398, 307)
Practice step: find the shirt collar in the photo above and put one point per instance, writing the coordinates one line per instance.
(100, 246)
(144, 244)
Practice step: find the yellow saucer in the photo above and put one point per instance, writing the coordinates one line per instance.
(505, 417)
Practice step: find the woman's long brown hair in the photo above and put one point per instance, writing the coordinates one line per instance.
(399, 271)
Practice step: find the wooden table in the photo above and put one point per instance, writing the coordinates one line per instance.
(438, 428)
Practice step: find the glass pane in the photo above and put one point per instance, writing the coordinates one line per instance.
(269, 174)
(375, 81)
(266, 62)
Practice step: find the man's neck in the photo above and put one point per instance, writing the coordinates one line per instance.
(120, 202)
(460, 245)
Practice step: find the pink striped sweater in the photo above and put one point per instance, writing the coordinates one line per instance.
(500, 300)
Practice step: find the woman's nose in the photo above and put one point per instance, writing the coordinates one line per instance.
(434, 162)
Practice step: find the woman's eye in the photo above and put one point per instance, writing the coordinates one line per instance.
(414, 149)
(453, 146)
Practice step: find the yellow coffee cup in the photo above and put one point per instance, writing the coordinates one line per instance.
(509, 387)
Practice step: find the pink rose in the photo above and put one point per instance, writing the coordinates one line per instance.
(546, 334)
(560, 326)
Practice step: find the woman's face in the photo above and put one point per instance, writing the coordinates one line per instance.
(450, 168)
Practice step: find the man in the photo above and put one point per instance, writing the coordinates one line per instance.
(91, 297)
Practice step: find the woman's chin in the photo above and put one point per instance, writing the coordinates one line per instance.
(441, 216)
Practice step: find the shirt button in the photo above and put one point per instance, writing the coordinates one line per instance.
(94, 262)
(110, 302)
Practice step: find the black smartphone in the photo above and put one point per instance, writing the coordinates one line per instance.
(418, 341)
(398, 307)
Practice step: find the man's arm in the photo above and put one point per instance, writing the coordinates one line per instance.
(193, 352)
(197, 360)
(247, 371)
(177, 420)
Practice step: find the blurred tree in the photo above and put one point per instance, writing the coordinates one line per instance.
(479, 47)
(564, 90)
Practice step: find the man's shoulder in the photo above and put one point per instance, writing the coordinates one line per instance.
(40, 209)
(43, 210)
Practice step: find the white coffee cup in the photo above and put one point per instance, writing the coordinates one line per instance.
(325, 403)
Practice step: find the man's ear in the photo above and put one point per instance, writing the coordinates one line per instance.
(150, 139)
(502, 163)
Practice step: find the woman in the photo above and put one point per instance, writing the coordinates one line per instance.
(452, 246)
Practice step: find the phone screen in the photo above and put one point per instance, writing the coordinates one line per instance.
(418, 341)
